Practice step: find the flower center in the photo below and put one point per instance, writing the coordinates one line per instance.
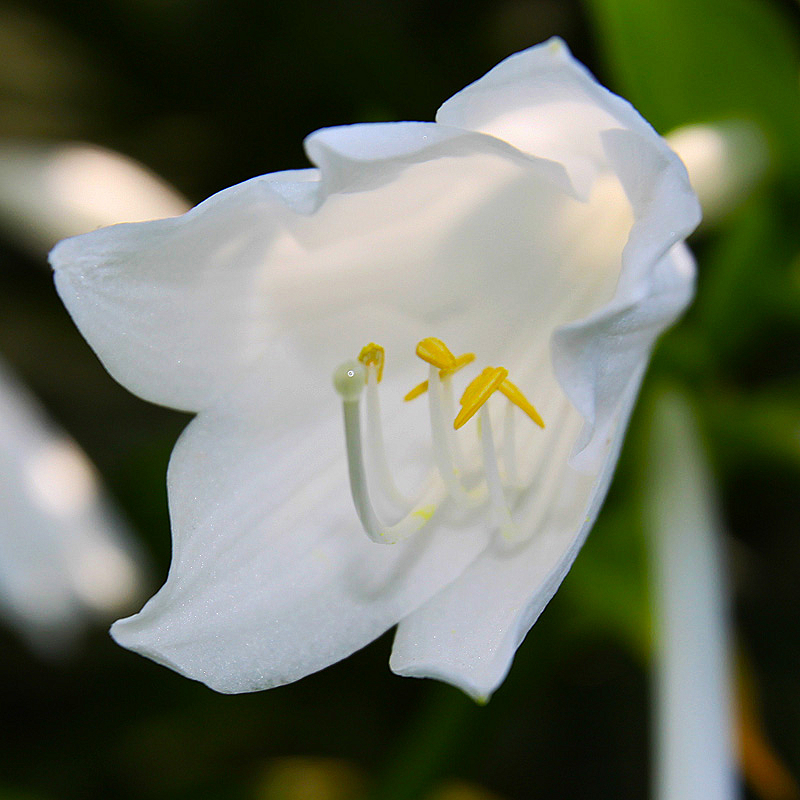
(461, 481)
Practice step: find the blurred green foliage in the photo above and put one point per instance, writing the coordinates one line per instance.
(738, 349)
(209, 93)
(680, 61)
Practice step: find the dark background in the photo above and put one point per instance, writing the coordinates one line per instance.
(208, 93)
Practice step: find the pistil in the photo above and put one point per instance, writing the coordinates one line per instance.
(372, 357)
(349, 380)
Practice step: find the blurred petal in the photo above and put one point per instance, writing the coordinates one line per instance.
(694, 752)
(64, 555)
(725, 162)
(51, 191)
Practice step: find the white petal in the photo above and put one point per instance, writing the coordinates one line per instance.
(365, 156)
(468, 633)
(172, 307)
(176, 308)
(594, 358)
(209, 622)
(597, 358)
(64, 555)
(546, 103)
(272, 577)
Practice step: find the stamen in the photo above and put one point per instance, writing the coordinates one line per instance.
(349, 382)
(510, 446)
(478, 392)
(350, 379)
(419, 389)
(511, 391)
(515, 398)
(500, 513)
(448, 410)
(461, 361)
(447, 453)
(436, 353)
(443, 441)
(373, 355)
(538, 504)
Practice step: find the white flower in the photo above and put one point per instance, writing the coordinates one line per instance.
(64, 555)
(539, 224)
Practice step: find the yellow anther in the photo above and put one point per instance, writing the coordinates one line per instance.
(417, 391)
(373, 355)
(478, 392)
(435, 352)
(518, 399)
(461, 361)
(510, 390)
(475, 385)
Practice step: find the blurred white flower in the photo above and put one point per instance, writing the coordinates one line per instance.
(539, 223)
(64, 555)
(52, 190)
(725, 161)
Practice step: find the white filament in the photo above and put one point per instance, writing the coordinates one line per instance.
(449, 411)
(441, 427)
(547, 479)
(509, 446)
(497, 499)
